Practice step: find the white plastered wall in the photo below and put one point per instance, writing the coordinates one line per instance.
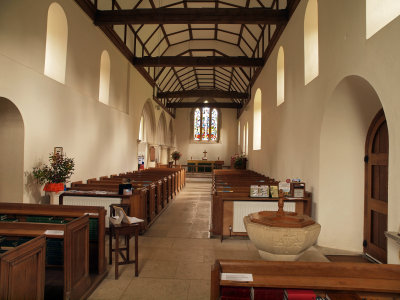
(102, 138)
(296, 135)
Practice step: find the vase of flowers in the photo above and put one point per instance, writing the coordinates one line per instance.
(240, 162)
(176, 155)
(56, 174)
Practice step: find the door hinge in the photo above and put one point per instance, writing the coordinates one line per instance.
(365, 243)
(366, 158)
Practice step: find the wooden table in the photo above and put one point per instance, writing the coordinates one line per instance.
(126, 230)
(204, 165)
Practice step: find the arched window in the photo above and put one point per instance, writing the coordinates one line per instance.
(141, 129)
(205, 126)
(247, 138)
(311, 58)
(280, 77)
(380, 13)
(104, 86)
(244, 140)
(238, 133)
(257, 121)
(56, 43)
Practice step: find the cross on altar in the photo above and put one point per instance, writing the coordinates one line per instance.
(205, 154)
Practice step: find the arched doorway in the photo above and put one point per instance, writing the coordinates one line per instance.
(11, 152)
(340, 196)
(147, 134)
(162, 139)
(376, 188)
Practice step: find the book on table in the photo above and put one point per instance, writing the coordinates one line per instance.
(122, 217)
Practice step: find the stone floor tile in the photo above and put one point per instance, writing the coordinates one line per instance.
(159, 269)
(199, 290)
(191, 270)
(111, 289)
(156, 289)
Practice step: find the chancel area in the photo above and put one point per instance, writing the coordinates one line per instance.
(155, 149)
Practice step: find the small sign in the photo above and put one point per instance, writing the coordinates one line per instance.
(243, 277)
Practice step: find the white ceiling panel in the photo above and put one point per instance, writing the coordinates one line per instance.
(203, 34)
(235, 28)
(171, 28)
(202, 53)
(227, 37)
(179, 37)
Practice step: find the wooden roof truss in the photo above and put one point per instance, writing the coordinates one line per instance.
(191, 48)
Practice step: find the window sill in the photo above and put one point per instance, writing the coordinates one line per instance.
(205, 142)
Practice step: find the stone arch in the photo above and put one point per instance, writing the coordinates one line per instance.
(149, 122)
(146, 133)
(162, 130)
(162, 139)
(346, 119)
(171, 131)
(11, 152)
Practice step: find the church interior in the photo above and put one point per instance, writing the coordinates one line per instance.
(211, 111)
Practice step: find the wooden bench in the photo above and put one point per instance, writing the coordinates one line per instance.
(73, 239)
(368, 281)
(142, 202)
(26, 260)
(28, 212)
(231, 188)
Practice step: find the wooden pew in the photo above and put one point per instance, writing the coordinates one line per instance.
(97, 217)
(367, 281)
(24, 261)
(233, 186)
(104, 194)
(75, 237)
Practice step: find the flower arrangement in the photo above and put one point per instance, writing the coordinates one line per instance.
(176, 155)
(240, 162)
(58, 172)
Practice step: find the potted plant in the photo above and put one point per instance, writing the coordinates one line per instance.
(240, 162)
(56, 174)
(176, 155)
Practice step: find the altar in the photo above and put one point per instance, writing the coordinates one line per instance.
(204, 165)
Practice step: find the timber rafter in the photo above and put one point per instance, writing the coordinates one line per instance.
(191, 16)
(203, 104)
(201, 61)
(203, 94)
(186, 47)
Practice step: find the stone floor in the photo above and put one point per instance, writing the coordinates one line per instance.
(175, 254)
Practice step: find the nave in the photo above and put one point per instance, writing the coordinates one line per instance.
(175, 254)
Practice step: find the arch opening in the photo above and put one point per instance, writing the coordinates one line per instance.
(11, 152)
(347, 117)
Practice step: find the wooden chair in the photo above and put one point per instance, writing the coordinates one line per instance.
(127, 231)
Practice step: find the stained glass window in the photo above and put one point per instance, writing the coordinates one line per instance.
(205, 124)
(214, 124)
(197, 127)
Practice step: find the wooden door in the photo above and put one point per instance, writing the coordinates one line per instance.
(376, 188)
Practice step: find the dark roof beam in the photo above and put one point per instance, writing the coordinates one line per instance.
(202, 104)
(214, 93)
(191, 16)
(203, 61)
